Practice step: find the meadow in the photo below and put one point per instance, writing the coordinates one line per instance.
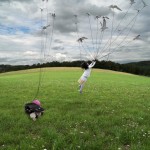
(112, 113)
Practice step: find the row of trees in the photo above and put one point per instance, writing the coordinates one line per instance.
(140, 68)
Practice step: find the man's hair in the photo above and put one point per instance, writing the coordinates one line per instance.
(84, 65)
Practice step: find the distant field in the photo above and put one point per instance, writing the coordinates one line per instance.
(113, 113)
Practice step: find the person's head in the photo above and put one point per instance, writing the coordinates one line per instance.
(84, 65)
(37, 102)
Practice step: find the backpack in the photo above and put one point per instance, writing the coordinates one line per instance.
(31, 107)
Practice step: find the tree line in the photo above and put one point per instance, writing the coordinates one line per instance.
(140, 68)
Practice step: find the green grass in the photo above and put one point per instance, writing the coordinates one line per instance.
(111, 114)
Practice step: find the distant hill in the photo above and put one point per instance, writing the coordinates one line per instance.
(139, 68)
(141, 63)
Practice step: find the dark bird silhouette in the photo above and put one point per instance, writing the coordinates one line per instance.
(132, 2)
(104, 24)
(137, 37)
(81, 39)
(45, 27)
(144, 3)
(115, 6)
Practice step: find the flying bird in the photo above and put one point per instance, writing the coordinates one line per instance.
(53, 15)
(137, 37)
(106, 17)
(132, 2)
(42, 9)
(45, 27)
(137, 10)
(97, 17)
(88, 14)
(144, 3)
(101, 24)
(81, 39)
(104, 24)
(76, 17)
(115, 6)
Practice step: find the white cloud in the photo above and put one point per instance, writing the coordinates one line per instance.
(60, 57)
(21, 38)
(30, 53)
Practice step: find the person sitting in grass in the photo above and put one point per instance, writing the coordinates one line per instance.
(87, 71)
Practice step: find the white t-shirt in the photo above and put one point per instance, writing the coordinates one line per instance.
(87, 72)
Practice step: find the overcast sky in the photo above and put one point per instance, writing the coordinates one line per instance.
(24, 40)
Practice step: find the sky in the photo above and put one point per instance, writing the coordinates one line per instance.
(30, 34)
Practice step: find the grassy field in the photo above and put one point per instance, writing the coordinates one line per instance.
(113, 113)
